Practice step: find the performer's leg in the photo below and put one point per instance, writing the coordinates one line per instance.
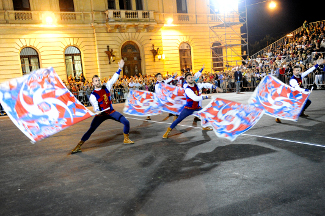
(120, 118)
(98, 119)
(181, 117)
(185, 112)
(308, 102)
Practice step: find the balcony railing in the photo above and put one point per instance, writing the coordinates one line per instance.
(129, 15)
(110, 16)
(26, 15)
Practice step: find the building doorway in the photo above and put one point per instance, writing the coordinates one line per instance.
(185, 57)
(131, 56)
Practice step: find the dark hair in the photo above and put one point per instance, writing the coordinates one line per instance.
(297, 66)
(187, 74)
(157, 75)
(94, 77)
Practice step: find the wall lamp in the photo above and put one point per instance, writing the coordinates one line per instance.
(154, 52)
(111, 56)
(162, 56)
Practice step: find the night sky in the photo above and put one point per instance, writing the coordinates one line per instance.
(286, 17)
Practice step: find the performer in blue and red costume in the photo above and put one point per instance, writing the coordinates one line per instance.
(193, 99)
(100, 99)
(160, 79)
(296, 83)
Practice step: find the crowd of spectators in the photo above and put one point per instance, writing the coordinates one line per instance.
(304, 48)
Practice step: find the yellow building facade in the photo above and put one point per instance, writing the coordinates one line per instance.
(89, 37)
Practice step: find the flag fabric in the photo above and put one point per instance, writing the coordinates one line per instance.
(278, 99)
(40, 105)
(171, 98)
(141, 103)
(229, 119)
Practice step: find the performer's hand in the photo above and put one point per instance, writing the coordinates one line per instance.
(175, 74)
(209, 97)
(203, 67)
(98, 112)
(121, 64)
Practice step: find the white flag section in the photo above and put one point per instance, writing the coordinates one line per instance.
(40, 105)
(278, 99)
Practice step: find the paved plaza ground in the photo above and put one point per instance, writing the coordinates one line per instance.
(273, 169)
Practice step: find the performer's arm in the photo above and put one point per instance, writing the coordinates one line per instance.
(193, 96)
(309, 71)
(204, 85)
(294, 84)
(111, 82)
(198, 74)
(170, 79)
(94, 102)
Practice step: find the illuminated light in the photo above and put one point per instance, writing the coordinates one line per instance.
(272, 5)
(222, 6)
(48, 18)
(163, 56)
(159, 57)
(290, 35)
(169, 22)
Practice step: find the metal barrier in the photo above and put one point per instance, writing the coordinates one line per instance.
(119, 95)
(229, 85)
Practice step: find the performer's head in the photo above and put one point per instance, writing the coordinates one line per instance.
(189, 78)
(296, 70)
(159, 77)
(96, 81)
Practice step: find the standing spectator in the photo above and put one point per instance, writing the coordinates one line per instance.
(238, 79)
(282, 72)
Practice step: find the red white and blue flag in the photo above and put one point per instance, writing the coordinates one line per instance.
(170, 98)
(229, 119)
(141, 103)
(278, 99)
(40, 105)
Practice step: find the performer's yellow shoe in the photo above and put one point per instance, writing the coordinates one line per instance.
(303, 114)
(127, 140)
(207, 128)
(277, 120)
(78, 147)
(175, 117)
(196, 119)
(165, 136)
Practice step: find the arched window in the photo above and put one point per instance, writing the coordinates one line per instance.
(217, 56)
(73, 63)
(185, 57)
(29, 60)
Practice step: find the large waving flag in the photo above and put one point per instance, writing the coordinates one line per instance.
(141, 103)
(171, 98)
(40, 105)
(229, 119)
(278, 99)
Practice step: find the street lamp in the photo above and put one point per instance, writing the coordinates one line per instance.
(272, 5)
